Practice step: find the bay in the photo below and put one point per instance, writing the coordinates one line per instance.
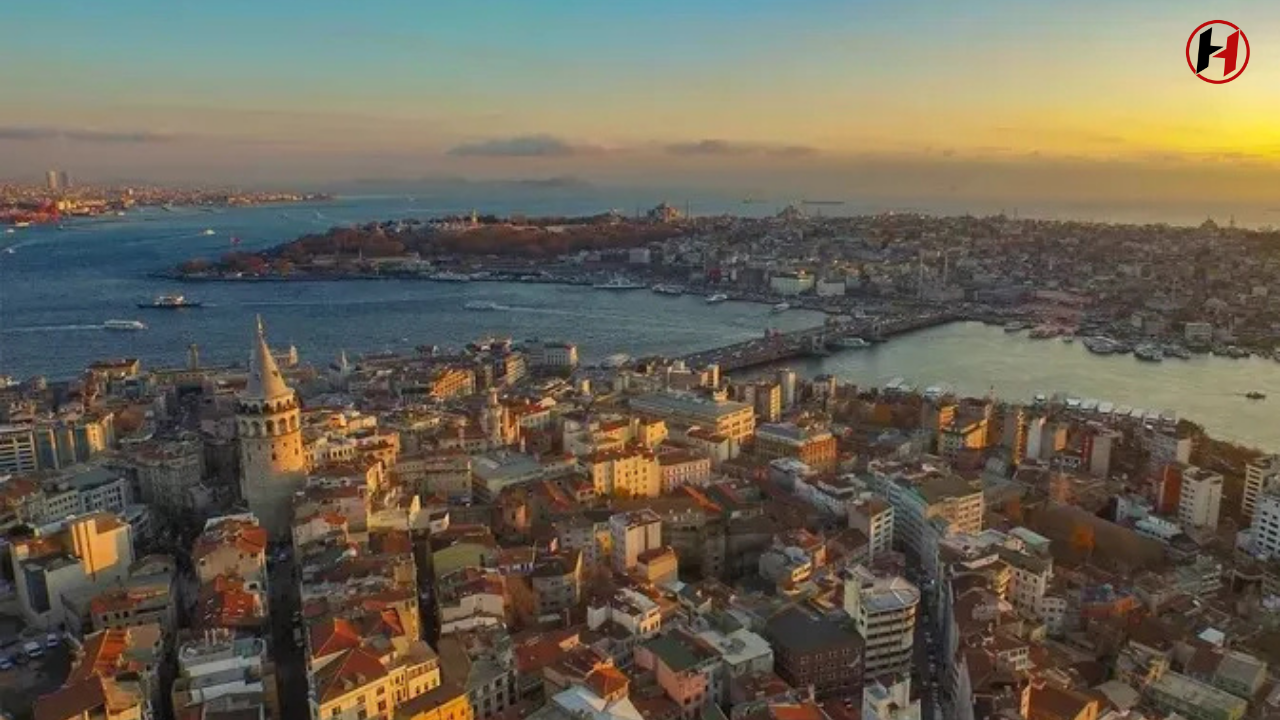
(58, 286)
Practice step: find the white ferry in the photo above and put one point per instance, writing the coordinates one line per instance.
(618, 282)
(781, 307)
(717, 298)
(449, 277)
(123, 325)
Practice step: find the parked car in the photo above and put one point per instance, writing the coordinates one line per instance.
(33, 649)
(51, 640)
(5, 662)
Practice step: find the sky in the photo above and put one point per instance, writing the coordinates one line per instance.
(1062, 99)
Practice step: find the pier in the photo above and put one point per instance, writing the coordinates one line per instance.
(813, 342)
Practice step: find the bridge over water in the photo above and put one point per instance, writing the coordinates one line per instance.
(815, 341)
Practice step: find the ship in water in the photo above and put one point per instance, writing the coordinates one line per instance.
(716, 298)
(482, 305)
(617, 282)
(169, 302)
(1255, 395)
(781, 307)
(1149, 352)
(210, 231)
(615, 361)
(662, 289)
(850, 343)
(123, 325)
(449, 277)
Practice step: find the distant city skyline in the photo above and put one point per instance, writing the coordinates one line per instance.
(1031, 101)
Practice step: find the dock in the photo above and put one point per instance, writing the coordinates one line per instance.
(813, 342)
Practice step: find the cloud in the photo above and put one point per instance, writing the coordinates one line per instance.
(728, 148)
(524, 146)
(36, 133)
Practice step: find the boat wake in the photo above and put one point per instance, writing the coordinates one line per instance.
(49, 328)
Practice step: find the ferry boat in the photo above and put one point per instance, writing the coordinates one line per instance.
(668, 289)
(209, 231)
(615, 361)
(617, 282)
(781, 307)
(717, 298)
(1149, 352)
(482, 305)
(850, 343)
(1255, 395)
(123, 325)
(169, 302)
(449, 277)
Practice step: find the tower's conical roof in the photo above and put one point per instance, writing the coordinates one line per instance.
(265, 380)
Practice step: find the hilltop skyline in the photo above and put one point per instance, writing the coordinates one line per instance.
(992, 100)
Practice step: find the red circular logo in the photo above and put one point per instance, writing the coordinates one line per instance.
(1217, 52)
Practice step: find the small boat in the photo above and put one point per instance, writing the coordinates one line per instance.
(9, 231)
(123, 325)
(449, 277)
(1177, 351)
(717, 298)
(1015, 326)
(668, 289)
(781, 307)
(615, 361)
(482, 305)
(9, 251)
(617, 282)
(1149, 352)
(210, 231)
(1068, 339)
(850, 343)
(169, 302)
(1255, 395)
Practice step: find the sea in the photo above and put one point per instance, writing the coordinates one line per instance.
(58, 286)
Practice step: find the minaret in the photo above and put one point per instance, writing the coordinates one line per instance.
(272, 462)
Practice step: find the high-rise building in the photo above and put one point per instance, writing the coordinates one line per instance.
(1259, 475)
(1201, 498)
(884, 613)
(17, 449)
(634, 533)
(53, 179)
(273, 464)
(1266, 524)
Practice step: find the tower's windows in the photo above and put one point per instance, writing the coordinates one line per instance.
(271, 427)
